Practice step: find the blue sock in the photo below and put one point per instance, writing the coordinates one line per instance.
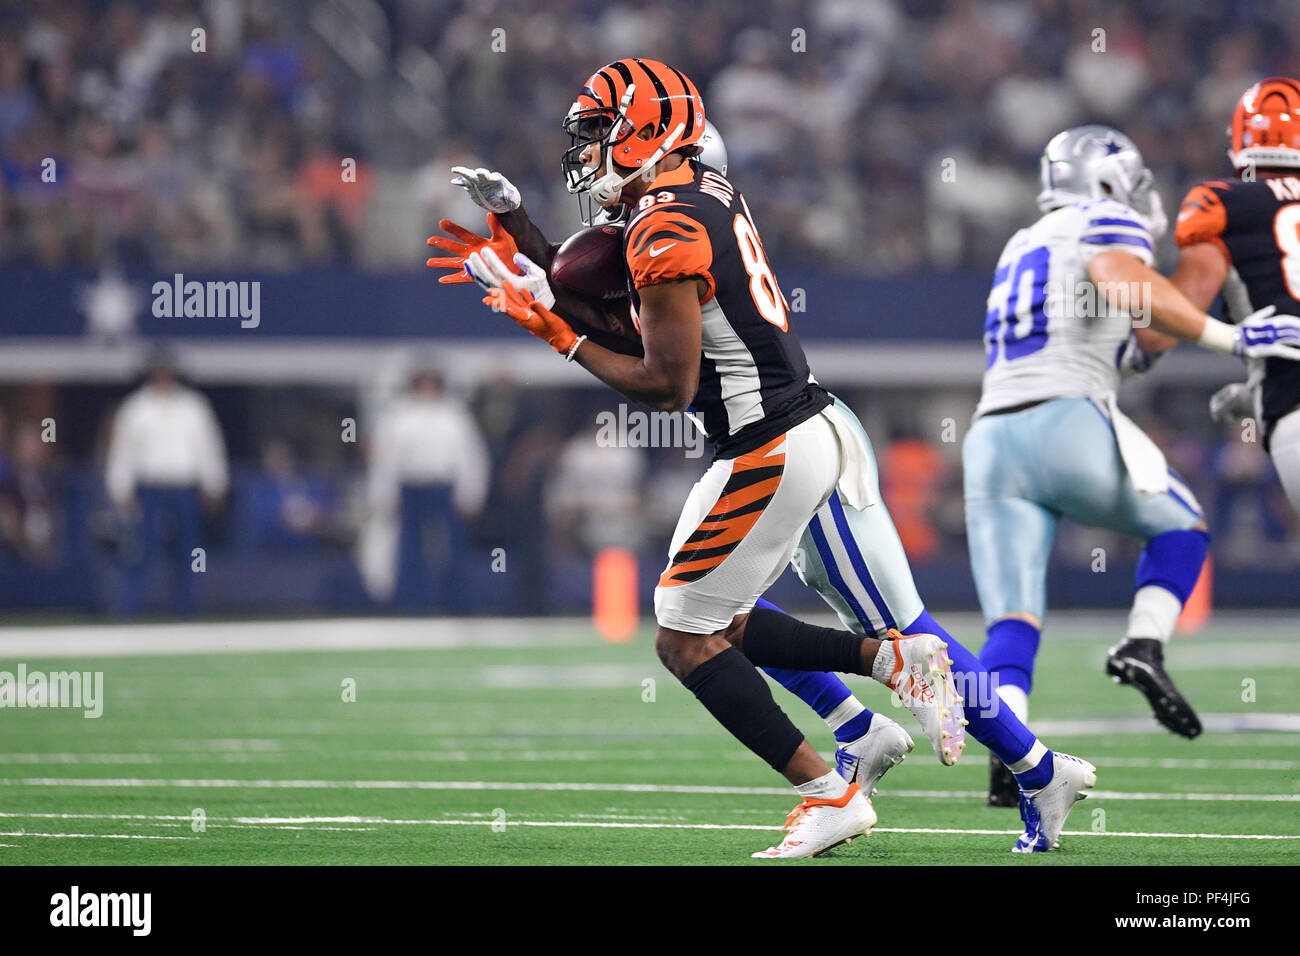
(1173, 561)
(991, 723)
(1009, 652)
(822, 692)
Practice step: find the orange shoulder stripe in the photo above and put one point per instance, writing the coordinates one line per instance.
(1201, 217)
(666, 245)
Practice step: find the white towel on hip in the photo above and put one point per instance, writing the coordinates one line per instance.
(857, 469)
(1145, 462)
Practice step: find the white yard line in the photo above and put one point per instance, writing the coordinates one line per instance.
(632, 823)
(489, 785)
(1214, 723)
(216, 823)
(75, 758)
(94, 836)
(574, 756)
(1179, 763)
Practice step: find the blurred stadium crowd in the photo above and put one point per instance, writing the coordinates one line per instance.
(838, 116)
(231, 156)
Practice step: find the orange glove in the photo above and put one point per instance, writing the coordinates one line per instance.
(534, 317)
(465, 244)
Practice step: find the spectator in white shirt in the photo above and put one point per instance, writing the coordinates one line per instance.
(166, 459)
(429, 468)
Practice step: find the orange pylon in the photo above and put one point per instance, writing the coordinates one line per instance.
(613, 597)
(1201, 601)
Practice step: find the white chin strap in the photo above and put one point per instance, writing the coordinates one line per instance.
(606, 189)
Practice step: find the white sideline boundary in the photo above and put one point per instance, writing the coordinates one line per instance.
(446, 633)
(488, 785)
(326, 634)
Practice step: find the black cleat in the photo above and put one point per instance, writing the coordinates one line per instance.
(1140, 661)
(1004, 791)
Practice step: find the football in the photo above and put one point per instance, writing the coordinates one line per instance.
(590, 264)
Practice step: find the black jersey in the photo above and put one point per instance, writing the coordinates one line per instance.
(1257, 226)
(754, 378)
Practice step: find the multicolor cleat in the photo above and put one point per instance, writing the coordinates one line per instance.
(923, 680)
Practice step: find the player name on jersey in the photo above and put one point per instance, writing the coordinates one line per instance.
(754, 379)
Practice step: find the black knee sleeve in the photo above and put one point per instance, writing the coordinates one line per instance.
(737, 696)
(773, 639)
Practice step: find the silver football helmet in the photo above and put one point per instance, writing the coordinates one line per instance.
(1097, 162)
(713, 151)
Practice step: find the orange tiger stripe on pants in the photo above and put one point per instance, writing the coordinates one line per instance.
(754, 480)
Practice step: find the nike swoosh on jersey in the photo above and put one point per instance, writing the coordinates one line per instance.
(654, 252)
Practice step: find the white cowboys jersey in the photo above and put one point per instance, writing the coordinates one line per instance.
(1049, 332)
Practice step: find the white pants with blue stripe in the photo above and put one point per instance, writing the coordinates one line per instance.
(1024, 470)
(855, 560)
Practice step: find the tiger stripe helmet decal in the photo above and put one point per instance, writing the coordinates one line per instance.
(1265, 126)
(616, 103)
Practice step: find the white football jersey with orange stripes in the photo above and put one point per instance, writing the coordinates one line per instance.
(1048, 331)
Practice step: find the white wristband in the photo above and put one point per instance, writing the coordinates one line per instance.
(574, 348)
(1218, 336)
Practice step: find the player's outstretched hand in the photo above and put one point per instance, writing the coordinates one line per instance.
(534, 317)
(488, 189)
(490, 272)
(1230, 404)
(464, 244)
(1263, 334)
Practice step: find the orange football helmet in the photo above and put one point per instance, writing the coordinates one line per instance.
(1265, 127)
(617, 102)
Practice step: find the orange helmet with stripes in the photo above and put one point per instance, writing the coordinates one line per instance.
(616, 104)
(1266, 125)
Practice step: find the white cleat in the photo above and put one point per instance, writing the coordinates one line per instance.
(816, 826)
(1044, 811)
(923, 680)
(865, 760)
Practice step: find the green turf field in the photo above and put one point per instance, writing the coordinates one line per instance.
(530, 743)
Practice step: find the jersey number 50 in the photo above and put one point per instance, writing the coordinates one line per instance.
(1021, 306)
